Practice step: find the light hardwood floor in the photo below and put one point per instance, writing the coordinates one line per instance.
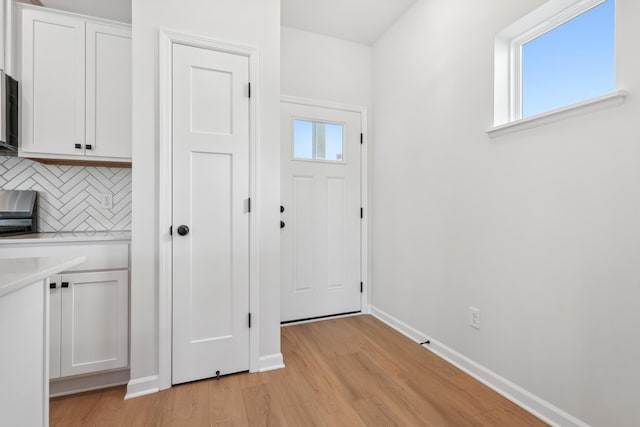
(353, 371)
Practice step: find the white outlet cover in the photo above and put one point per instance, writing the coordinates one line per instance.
(106, 200)
(474, 317)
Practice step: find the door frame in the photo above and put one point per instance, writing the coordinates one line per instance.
(167, 38)
(364, 184)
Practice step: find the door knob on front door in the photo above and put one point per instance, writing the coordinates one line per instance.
(183, 230)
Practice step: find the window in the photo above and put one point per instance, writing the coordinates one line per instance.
(317, 141)
(570, 63)
(559, 56)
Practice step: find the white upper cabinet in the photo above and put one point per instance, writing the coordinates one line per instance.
(53, 83)
(108, 109)
(76, 87)
(7, 50)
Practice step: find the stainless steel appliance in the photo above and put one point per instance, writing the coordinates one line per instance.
(8, 114)
(18, 212)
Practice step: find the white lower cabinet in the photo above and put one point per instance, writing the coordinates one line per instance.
(89, 322)
(88, 312)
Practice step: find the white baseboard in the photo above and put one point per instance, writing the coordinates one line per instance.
(518, 395)
(271, 362)
(66, 386)
(142, 386)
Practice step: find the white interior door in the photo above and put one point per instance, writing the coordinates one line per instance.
(210, 197)
(320, 191)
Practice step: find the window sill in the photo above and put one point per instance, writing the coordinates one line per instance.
(612, 99)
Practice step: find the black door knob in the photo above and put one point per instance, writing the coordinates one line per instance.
(281, 224)
(183, 230)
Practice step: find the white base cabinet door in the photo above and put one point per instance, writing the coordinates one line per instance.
(94, 322)
(54, 326)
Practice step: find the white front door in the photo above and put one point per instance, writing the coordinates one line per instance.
(210, 213)
(321, 215)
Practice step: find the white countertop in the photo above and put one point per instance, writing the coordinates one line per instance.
(16, 273)
(86, 236)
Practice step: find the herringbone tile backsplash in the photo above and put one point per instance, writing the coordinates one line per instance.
(69, 196)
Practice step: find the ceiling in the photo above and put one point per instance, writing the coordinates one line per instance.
(361, 21)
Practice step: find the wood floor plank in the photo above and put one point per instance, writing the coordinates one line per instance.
(223, 409)
(354, 371)
(72, 410)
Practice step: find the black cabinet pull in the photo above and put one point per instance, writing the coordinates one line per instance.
(281, 209)
(282, 224)
(183, 230)
(65, 284)
(89, 147)
(53, 285)
(78, 145)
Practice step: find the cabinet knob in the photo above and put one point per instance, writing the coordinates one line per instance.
(53, 285)
(183, 230)
(65, 284)
(282, 224)
(79, 146)
(89, 147)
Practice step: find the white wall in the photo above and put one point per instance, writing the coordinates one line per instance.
(325, 68)
(117, 10)
(252, 22)
(539, 229)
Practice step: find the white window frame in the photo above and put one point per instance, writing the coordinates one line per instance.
(508, 65)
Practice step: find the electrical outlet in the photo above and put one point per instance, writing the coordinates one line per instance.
(106, 200)
(474, 317)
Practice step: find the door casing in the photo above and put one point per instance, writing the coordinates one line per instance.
(364, 192)
(167, 39)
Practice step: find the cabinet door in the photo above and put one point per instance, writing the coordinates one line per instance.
(94, 327)
(53, 83)
(108, 91)
(54, 326)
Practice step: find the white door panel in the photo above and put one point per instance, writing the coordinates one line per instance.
(320, 183)
(210, 192)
